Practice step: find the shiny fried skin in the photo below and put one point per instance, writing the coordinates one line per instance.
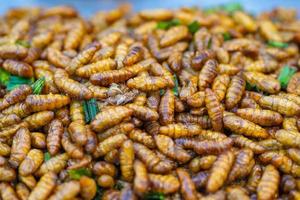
(92, 140)
(73, 150)
(135, 54)
(245, 142)
(108, 77)
(166, 108)
(18, 68)
(237, 192)
(244, 127)
(207, 74)
(46, 102)
(55, 132)
(88, 187)
(124, 128)
(87, 71)
(77, 133)
(7, 120)
(143, 112)
(67, 190)
(38, 140)
(174, 35)
(22, 191)
(7, 174)
(102, 167)
(20, 147)
(39, 119)
(147, 83)
(263, 82)
(142, 137)
(202, 163)
(141, 180)
(180, 130)
(268, 185)
(203, 121)
(188, 188)
(164, 183)
(214, 109)
(70, 86)
(220, 171)
(260, 117)
(31, 163)
(127, 160)
(220, 85)
(109, 144)
(55, 164)
(110, 117)
(16, 95)
(44, 187)
(12, 51)
(7, 192)
(196, 100)
(288, 138)
(235, 91)
(293, 85)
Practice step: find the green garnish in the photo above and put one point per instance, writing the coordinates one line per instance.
(77, 173)
(38, 85)
(285, 75)
(23, 43)
(16, 81)
(99, 193)
(226, 36)
(232, 7)
(154, 196)
(251, 87)
(194, 27)
(277, 44)
(119, 185)
(161, 92)
(175, 89)
(91, 109)
(4, 76)
(47, 156)
(165, 25)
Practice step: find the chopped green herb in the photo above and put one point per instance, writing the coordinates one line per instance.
(77, 173)
(38, 85)
(91, 109)
(119, 185)
(23, 43)
(99, 193)
(226, 36)
(285, 75)
(277, 44)
(165, 25)
(161, 92)
(194, 27)
(47, 156)
(154, 196)
(4, 76)
(16, 81)
(232, 7)
(251, 87)
(175, 89)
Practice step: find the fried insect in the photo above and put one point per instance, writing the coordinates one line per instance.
(143, 112)
(88, 187)
(293, 85)
(7, 192)
(280, 104)
(141, 180)
(202, 163)
(13, 51)
(166, 108)
(110, 117)
(15, 96)
(142, 137)
(203, 121)
(67, 190)
(73, 150)
(70, 86)
(44, 187)
(207, 74)
(180, 130)
(18, 68)
(244, 127)
(54, 136)
(7, 174)
(127, 160)
(22, 191)
(31, 163)
(55, 164)
(245, 142)
(220, 85)
(77, 133)
(38, 140)
(237, 192)
(220, 171)
(20, 147)
(147, 83)
(214, 109)
(268, 185)
(235, 91)
(164, 183)
(197, 100)
(46, 102)
(39, 119)
(135, 54)
(8, 120)
(188, 188)
(288, 138)
(109, 144)
(87, 71)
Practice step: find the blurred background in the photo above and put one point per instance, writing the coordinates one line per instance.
(88, 7)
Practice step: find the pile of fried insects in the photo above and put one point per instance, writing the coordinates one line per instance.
(157, 105)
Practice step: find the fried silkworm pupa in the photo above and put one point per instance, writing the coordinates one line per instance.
(220, 171)
(254, 178)
(290, 124)
(180, 130)
(39, 119)
(15, 96)
(202, 163)
(55, 132)
(20, 147)
(167, 146)
(63, 11)
(135, 54)
(147, 83)
(280, 104)
(102, 167)
(143, 112)
(29, 181)
(142, 137)
(203, 121)
(18, 68)
(156, 14)
(146, 155)
(200, 58)
(141, 182)
(8, 120)
(92, 140)
(228, 69)
(7, 174)
(73, 150)
(287, 183)
(110, 117)
(57, 58)
(67, 190)
(83, 57)
(293, 85)
(4, 149)
(207, 74)
(22, 191)
(268, 185)
(242, 166)
(56, 164)
(237, 192)
(260, 117)
(245, 142)
(88, 187)
(127, 160)
(235, 91)
(124, 128)
(109, 144)
(74, 35)
(32, 162)
(7, 192)
(70, 86)
(164, 183)
(288, 138)
(188, 188)
(220, 85)
(105, 181)
(77, 133)
(46, 102)
(211, 135)
(174, 35)
(244, 127)
(13, 51)
(197, 100)
(87, 71)
(214, 109)
(167, 107)
(44, 187)
(294, 154)
(38, 140)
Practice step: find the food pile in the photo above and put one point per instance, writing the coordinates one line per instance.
(158, 104)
